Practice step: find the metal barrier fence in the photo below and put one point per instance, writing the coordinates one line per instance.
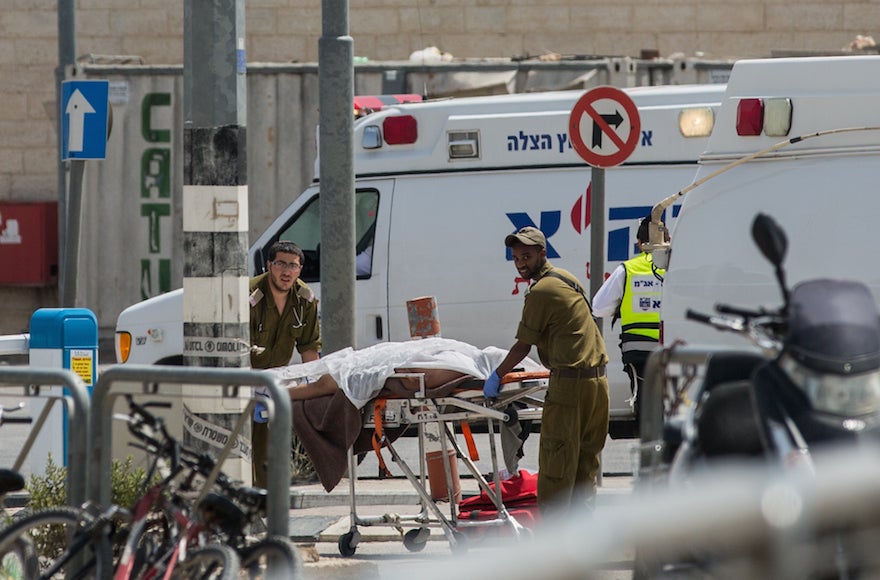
(654, 391)
(14, 344)
(77, 401)
(739, 519)
(762, 523)
(278, 476)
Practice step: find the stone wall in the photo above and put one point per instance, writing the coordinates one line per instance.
(287, 30)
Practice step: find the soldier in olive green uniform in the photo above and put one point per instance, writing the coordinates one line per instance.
(556, 318)
(284, 315)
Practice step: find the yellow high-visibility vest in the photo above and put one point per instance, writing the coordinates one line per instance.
(640, 304)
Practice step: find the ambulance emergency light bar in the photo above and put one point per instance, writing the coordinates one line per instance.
(465, 144)
(366, 104)
(754, 116)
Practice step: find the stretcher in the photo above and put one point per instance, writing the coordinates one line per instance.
(457, 403)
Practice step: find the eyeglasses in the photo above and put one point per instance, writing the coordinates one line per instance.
(286, 266)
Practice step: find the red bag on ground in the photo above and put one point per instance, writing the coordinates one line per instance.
(519, 495)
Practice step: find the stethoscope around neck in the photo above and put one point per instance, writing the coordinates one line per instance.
(297, 315)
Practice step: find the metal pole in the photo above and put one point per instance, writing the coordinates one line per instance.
(215, 198)
(597, 230)
(336, 151)
(66, 58)
(597, 249)
(74, 225)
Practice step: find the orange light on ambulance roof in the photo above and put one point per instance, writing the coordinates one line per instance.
(400, 130)
(749, 117)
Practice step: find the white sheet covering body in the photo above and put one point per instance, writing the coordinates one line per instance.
(362, 373)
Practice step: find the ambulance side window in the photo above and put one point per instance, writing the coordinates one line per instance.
(305, 231)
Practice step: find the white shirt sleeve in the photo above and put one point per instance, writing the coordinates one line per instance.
(607, 299)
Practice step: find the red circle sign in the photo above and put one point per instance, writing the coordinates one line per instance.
(613, 126)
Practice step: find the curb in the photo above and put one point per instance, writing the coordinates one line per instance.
(397, 490)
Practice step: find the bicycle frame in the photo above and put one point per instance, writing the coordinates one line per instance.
(155, 500)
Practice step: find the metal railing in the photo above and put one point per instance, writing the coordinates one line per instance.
(77, 400)
(103, 397)
(745, 521)
(14, 344)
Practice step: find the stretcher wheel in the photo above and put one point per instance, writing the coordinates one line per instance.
(347, 544)
(512, 415)
(415, 540)
(460, 546)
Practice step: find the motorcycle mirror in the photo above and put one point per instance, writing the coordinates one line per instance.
(770, 238)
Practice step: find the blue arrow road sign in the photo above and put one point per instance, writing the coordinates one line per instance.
(84, 106)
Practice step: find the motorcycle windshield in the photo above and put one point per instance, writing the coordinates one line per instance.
(843, 395)
(834, 327)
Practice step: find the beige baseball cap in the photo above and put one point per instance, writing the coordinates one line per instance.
(529, 235)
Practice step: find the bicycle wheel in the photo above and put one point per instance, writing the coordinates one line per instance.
(59, 543)
(212, 562)
(19, 561)
(270, 559)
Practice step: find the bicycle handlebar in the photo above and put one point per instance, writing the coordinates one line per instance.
(737, 311)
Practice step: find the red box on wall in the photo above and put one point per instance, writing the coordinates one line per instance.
(28, 243)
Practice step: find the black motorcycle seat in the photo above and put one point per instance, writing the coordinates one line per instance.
(727, 424)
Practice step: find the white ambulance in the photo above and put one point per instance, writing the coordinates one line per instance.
(440, 184)
(813, 127)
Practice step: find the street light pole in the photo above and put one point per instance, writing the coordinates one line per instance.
(336, 167)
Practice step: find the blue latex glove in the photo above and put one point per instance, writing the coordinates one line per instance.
(261, 413)
(492, 385)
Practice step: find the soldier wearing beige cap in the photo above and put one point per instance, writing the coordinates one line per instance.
(557, 319)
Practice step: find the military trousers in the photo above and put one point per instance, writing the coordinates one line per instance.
(574, 426)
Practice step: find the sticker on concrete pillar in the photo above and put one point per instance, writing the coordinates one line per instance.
(82, 363)
(215, 435)
(219, 347)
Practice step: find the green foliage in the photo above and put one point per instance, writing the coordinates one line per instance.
(127, 484)
(49, 490)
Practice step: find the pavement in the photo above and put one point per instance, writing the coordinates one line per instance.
(319, 519)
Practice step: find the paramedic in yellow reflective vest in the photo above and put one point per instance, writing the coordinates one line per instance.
(632, 294)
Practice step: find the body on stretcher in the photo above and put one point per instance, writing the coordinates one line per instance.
(405, 401)
(461, 402)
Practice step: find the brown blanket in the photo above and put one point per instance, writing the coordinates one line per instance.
(327, 427)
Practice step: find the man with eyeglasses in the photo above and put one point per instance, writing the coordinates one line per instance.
(284, 315)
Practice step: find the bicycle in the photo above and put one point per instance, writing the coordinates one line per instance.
(78, 542)
(223, 518)
(31, 545)
(19, 560)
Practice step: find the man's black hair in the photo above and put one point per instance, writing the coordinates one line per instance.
(642, 235)
(286, 247)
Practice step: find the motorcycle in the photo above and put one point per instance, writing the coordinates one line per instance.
(814, 383)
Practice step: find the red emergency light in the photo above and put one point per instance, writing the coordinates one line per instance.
(400, 129)
(749, 117)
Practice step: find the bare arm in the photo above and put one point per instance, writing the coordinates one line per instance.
(518, 351)
(325, 385)
(309, 356)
